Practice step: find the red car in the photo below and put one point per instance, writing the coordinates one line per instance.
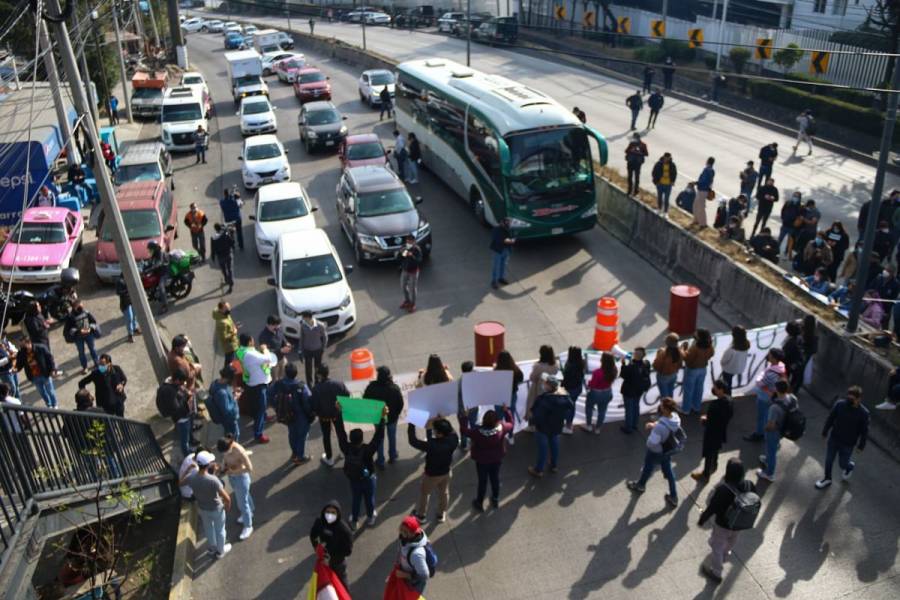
(311, 84)
(362, 149)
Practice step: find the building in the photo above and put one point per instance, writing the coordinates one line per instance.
(792, 14)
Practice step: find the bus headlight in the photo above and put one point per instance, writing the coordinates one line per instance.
(591, 212)
(515, 223)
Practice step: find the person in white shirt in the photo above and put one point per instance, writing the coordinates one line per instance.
(734, 361)
(187, 465)
(45, 197)
(257, 364)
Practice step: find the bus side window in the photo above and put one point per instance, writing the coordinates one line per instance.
(483, 145)
(446, 120)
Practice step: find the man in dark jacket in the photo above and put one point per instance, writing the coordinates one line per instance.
(649, 72)
(384, 389)
(664, 174)
(501, 244)
(790, 215)
(767, 156)
(848, 424)
(324, 401)
(331, 531)
(37, 326)
(173, 400)
(231, 204)
(764, 244)
(635, 154)
(81, 329)
(359, 467)
(109, 386)
(635, 383)
(548, 415)
(221, 248)
(440, 443)
(715, 429)
(655, 103)
(766, 197)
(722, 539)
(301, 404)
(273, 337)
(37, 361)
(635, 103)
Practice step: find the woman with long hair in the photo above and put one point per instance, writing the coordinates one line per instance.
(696, 363)
(667, 363)
(600, 391)
(573, 381)
(546, 364)
(505, 362)
(735, 358)
(434, 372)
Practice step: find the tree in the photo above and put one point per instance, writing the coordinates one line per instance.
(787, 57)
(739, 58)
(884, 18)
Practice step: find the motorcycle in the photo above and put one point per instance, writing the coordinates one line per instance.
(56, 301)
(181, 276)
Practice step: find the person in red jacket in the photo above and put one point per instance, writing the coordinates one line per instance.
(488, 450)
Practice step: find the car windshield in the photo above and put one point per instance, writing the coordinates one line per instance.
(291, 64)
(233, 35)
(386, 202)
(312, 77)
(280, 210)
(382, 79)
(40, 233)
(365, 150)
(181, 112)
(247, 80)
(129, 173)
(139, 224)
(322, 117)
(147, 93)
(309, 272)
(255, 108)
(262, 152)
(192, 80)
(548, 163)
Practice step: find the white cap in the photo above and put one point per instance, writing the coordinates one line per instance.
(204, 459)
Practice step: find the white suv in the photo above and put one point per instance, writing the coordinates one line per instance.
(182, 112)
(280, 208)
(193, 25)
(265, 161)
(257, 116)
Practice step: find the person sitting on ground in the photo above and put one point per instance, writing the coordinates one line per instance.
(733, 230)
(737, 206)
(818, 282)
(873, 311)
(842, 296)
(816, 254)
(765, 245)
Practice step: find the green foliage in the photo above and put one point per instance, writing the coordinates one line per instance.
(710, 61)
(678, 50)
(21, 38)
(861, 39)
(739, 58)
(787, 57)
(863, 99)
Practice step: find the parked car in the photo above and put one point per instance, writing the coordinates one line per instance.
(232, 27)
(41, 245)
(321, 126)
(280, 208)
(145, 161)
(497, 31)
(215, 26)
(286, 70)
(376, 213)
(270, 58)
(311, 84)
(371, 83)
(285, 41)
(257, 116)
(234, 41)
(377, 18)
(459, 28)
(362, 149)
(192, 25)
(264, 161)
(307, 275)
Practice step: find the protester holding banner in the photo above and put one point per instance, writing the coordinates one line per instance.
(696, 363)
(573, 381)
(600, 392)
(359, 467)
(384, 389)
(439, 446)
(488, 450)
(667, 363)
(434, 372)
(546, 364)
(764, 390)
(635, 383)
(735, 358)
(548, 417)
(505, 362)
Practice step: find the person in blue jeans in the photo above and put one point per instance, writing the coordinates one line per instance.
(660, 431)
(783, 403)
(548, 415)
(635, 383)
(667, 362)
(600, 392)
(359, 467)
(131, 324)
(383, 388)
(8, 366)
(471, 414)
(765, 389)
(696, 363)
(37, 362)
(573, 381)
(222, 404)
(301, 405)
(81, 329)
(236, 464)
(848, 424)
(664, 174)
(501, 244)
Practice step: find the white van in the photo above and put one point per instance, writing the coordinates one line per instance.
(182, 112)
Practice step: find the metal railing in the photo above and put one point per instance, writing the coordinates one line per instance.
(48, 454)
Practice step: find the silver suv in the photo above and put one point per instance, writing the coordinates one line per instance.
(376, 214)
(321, 126)
(145, 161)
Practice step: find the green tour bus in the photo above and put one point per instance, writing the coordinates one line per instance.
(505, 148)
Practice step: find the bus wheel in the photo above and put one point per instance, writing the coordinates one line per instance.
(477, 205)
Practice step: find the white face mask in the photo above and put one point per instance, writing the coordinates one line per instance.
(330, 518)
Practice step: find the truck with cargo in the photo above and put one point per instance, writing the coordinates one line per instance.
(245, 73)
(267, 40)
(147, 93)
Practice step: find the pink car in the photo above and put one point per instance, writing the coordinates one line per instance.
(287, 69)
(360, 150)
(42, 245)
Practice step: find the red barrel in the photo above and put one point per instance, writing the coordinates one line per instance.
(489, 340)
(684, 301)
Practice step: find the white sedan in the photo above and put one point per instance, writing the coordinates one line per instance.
(193, 25)
(377, 18)
(280, 208)
(231, 26)
(449, 21)
(265, 161)
(257, 116)
(270, 58)
(371, 83)
(214, 26)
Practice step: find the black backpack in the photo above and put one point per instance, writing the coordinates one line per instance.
(674, 443)
(810, 126)
(355, 466)
(431, 558)
(284, 410)
(168, 401)
(794, 425)
(743, 510)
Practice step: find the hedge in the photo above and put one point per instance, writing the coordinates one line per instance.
(863, 99)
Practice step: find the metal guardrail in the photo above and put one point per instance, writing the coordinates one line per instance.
(48, 454)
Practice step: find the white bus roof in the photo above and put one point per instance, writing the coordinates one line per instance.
(511, 106)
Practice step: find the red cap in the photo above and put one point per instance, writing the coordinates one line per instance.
(412, 523)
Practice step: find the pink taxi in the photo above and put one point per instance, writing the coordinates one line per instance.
(362, 149)
(42, 245)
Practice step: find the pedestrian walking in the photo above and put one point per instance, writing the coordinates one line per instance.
(109, 382)
(635, 383)
(387, 103)
(293, 394)
(766, 197)
(506, 362)
(195, 220)
(410, 265)
(221, 404)
(791, 220)
(226, 330)
(439, 446)
(661, 444)
(237, 466)
(748, 177)
(383, 388)
(718, 84)
(415, 562)
(667, 362)
(664, 174)
(8, 375)
(81, 328)
(488, 450)
(272, 336)
(546, 363)
(400, 153)
(201, 143)
(782, 405)
(668, 71)
(501, 246)
(635, 154)
(767, 156)
(599, 393)
(313, 341)
(715, 429)
(734, 361)
(257, 365)
(230, 205)
(173, 401)
(654, 103)
(806, 129)
(548, 415)
(573, 382)
(131, 324)
(114, 109)
(331, 531)
(312, 26)
(212, 502)
(221, 246)
(704, 192)
(39, 366)
(764, 390)
(359, 467)
(731, 516)
(324, 401)
(847, 426)
(696, 363)
(649, 72)
(634, 103)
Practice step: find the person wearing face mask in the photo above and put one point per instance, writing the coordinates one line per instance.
(313, 341)
(272, 336)
(109, 386)
(226, 330)
(808, 225)
(415, 562)
(331, 531)
(790, 222)
(839, 242)
(883, 241)
(635, 154)
(766, 197)
(82, 330)
(818, 282)
(816, 254)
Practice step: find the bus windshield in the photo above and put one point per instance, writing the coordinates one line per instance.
(548, 163)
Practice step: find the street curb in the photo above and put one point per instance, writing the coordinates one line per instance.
(181, 584)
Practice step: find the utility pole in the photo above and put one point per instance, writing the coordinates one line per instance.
(887, 138)
(138, 22)
(122, 73)
(181, 57)
(468, 33)
(101, 64)
(65, 127)
(155, 350)
(363, 21)
(665, 10)
(287, 11)
(721, 34)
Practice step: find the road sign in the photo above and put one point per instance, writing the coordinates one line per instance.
(624, 24)
(560, 12)
(695, 38)
(818, 62)
(764, 48)
(589, 20)
(658, 29)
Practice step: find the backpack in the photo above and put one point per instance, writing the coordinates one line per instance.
(167, 400)
(212, 408)
(794, 425)
(810, 126)
(284, 410)
(431, 558)
(743, 510)
(675, 442)
(354, 465)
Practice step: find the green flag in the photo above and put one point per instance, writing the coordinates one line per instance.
(361, 410)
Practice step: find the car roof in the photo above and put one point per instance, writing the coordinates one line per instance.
(259, 140)
(138, 195)
(376, 71)
(362, 138)
(141, 153)
(306, 70)
(257, 99)
(303, 244)
(279, 191)
(191, 74)
(46, 214)
(319, 105)
(181, 95)
(373, 178)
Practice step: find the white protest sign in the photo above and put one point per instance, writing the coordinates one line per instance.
(437, 399)
(486, 388)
